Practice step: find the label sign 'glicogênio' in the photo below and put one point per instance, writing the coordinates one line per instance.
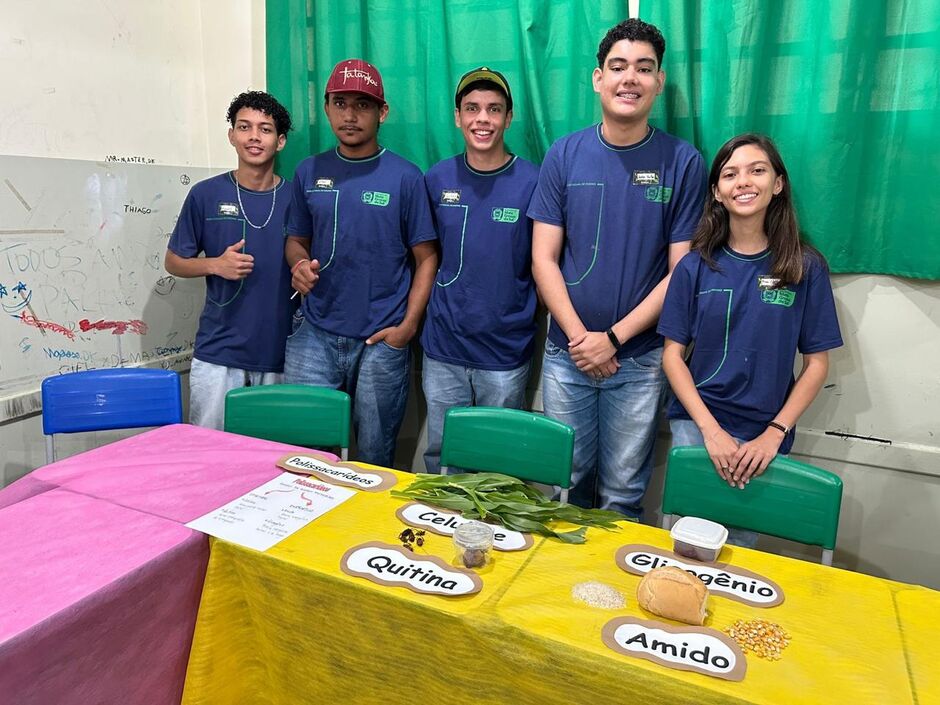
(720, 578)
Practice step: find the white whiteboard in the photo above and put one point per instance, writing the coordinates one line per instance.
(82, 284)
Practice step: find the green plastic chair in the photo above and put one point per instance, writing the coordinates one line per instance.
(299, 414)
(791, 499)
(528, 446)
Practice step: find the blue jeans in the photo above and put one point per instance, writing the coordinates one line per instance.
(686, 433)
(614, 422)
(447, 385)
(208, 385)
(375, 376)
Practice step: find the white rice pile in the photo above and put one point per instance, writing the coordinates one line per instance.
(600, 595)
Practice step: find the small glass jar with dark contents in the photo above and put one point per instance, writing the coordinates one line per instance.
(473, 542)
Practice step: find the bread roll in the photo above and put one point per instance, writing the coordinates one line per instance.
(673, 593)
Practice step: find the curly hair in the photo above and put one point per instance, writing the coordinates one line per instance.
(635, 30)
(262, 102)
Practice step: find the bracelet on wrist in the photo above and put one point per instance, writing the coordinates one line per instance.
(779, 426)
(297, 263)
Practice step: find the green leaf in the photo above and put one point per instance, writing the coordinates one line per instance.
(494, 496)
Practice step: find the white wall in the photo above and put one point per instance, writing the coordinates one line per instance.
(91, 80)
(87, 80)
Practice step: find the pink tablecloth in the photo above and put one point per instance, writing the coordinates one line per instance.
(97, 602)
(177, 472)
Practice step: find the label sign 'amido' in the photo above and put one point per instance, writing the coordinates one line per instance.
(341, 473)
(720, 578)
(696, 649)
(440, 521)
(394, 566)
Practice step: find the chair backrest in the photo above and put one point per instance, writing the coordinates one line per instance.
(517, 443)
(299, 414)
(97, 400)
(791, 499)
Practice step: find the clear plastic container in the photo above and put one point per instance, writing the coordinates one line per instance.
(474, 544)
(699, 539)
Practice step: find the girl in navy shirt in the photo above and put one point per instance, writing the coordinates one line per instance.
(750, 294)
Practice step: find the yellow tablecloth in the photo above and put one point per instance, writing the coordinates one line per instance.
(287, 626)
(919, 619)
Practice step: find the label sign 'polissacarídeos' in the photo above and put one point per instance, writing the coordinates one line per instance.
(341, 473)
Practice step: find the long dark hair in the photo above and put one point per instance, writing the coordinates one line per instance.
(788, 251)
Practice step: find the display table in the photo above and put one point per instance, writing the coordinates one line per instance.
(177, 472)
(919, 618)
(288, 626)
(97, 602)
(101, 581)
(846, 645)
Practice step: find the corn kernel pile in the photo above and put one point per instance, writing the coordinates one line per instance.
(765, 639)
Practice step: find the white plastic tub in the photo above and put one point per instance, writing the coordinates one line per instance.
(699, 539)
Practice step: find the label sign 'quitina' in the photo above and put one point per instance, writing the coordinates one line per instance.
(393, 566)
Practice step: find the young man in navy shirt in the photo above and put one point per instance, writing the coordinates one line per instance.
(236, 220)
(478, 335)
(359, 217)
(614, 211)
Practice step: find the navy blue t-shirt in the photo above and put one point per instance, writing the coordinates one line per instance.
(621, 208)
(746, 334)
(363, 217)
(244, 323)
(482, 308)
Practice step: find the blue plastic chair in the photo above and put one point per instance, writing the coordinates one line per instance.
(99, 400)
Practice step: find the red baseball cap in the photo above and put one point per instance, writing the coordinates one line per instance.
(356, 76)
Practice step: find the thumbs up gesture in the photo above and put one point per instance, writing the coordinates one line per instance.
(233, 264)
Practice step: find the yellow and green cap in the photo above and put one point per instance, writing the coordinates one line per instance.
(488, 75)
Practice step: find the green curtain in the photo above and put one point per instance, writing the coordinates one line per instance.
(849, 92)
(545, 48)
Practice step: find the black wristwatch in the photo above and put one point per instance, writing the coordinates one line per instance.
(614, 340)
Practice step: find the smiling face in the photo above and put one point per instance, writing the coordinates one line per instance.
(355, 119)
(747, 182)
(629, 81)
(483, 119)
(255, 137)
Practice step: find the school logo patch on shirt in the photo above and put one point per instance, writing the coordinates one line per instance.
(323, 182)
(769, 294)
(658, 194)
(376, 198)
(505, 215)
(778, 297)
(228, 210)
(647, 177)
(450, 196)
